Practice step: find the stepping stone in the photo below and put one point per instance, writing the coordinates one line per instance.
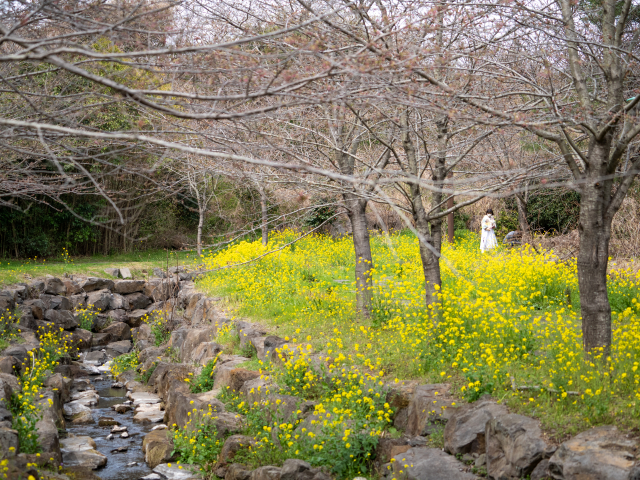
(152, 414)
(139, 398)
(81, 452)
(175, 472)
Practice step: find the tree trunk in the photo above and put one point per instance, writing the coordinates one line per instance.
(265, 224)
(364, 261)
(200, 225)
(595, 234)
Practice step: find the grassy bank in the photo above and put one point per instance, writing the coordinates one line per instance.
(507, 323)
(140, 264)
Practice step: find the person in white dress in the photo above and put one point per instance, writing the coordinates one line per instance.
(488, 239)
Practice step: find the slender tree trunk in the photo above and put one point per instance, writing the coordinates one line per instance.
(595, 233)
(200, 225)
(362, 246)
(265, 219)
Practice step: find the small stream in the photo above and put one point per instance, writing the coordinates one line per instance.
(129, 465)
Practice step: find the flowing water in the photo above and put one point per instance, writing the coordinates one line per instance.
(129, 465)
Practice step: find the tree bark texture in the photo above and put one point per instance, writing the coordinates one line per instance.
(595, 234)
(364, 261)
(264, 226)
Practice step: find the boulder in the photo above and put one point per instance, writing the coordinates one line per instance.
(429, 404)
(96, 358)
(18, 352)
(62, 318)
(79, 300)
(50, 423)
(71, 286)
(100, 339)
(101, 321)
(99, 300)
(601, 453)
(182, 405)
(36, 307)
(390, 447)
(165, 373)
(115, 349)
(136, 317)
(81, 339)
(429, 464)
(27, 322)
(294, 469)
(55, 302)
(204, 352)
(267, 472)
(54, 286)
(177, 472)
(238, 377)
(140, 398)
(118, 331)
(8, 442)
(204, 312)
(146, 414)
(118, 302)
(223, 372)
(193, 338)
(9, 365)
(465, 429)
(231, 446)
(6, 302)
(114, 272)
(266, 349)
(237, 471)
(157, 448)
(128, 286)
(118, 315)
(256, 390)
(137, 301)
(107, 422)
(191, 304)
(81, 452)
(61, 384)
(125, 273)
(92, 283)
(514, 446)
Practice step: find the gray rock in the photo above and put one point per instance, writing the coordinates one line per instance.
(602, 453)
(116, 349)
(267, 472)
(237, 471)
(99, 300)
(96, 358)
(137, 300)
(541, 471)
(118, 302)
(134, 318)
(100, 339)
(514, 446)
(294, 469)
(114, 272)
(8, 442)
(37, 308)
(18, 352)
(62, 318)
(420, 463)
(79, 300)
(118, 315)
(118, 331)
(429, 404)
(125, 273)
(54, 286)
(149, 414)
(81, 452)
(174, 472)
(160, 273)
(128, 286)
(465, 429)
(93, 283)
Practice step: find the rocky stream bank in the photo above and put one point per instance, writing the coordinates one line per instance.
(99, 420)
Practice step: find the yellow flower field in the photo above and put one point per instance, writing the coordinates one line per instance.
(507, 323)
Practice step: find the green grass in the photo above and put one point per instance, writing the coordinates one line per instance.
(141, 265)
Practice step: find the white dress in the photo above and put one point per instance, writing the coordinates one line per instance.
(488, 239)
